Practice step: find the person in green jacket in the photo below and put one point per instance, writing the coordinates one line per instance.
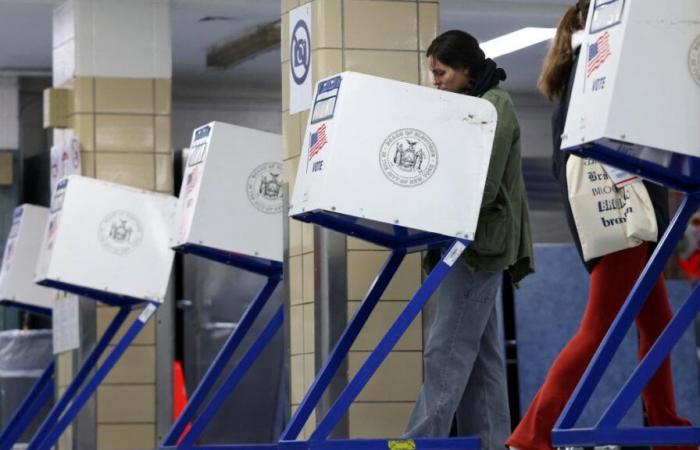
(464, 369)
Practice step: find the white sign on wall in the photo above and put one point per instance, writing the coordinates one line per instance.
(66, 326)
(300, 59)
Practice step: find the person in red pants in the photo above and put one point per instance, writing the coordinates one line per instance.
(612, 277)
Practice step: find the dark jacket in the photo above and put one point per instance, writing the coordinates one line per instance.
(658, 194)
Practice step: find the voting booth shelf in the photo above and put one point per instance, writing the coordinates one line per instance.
(641, 118)
(388, 162)
(230, 211)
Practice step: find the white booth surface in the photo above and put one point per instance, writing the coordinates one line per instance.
(395, 153)
(107, 241)
(231, 195)
(19, 260)
(638, 77)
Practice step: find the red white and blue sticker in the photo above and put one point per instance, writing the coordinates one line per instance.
(598, 53)
(317, 141)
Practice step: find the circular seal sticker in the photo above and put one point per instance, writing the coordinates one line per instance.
(408, 157)
(120, 232)
(264, 187)
(694, 60)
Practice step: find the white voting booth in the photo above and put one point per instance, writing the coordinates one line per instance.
(231, 195)
(395, 153)
(230, 211)
(403, 166)
(635, 105)
(107, 239)
(109, 243)
(638, 78)
(19, 260)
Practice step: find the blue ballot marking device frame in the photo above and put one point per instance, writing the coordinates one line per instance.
(179, 437)
(38, 396)
(84, 385)
(682, 173)
(400, 241)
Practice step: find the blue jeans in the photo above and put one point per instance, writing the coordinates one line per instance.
(464, 370)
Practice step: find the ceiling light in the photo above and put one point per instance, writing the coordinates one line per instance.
(517, 40)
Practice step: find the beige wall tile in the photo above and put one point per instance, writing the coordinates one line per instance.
(429, 16)
(163, 97)
(133, 169)
(87, 164)
(296, 329)
(124, 95)
(64, 374)
(363, 267)
(126, 404)
(326, 63)
(397, 65)
(378, 419)
(84, 126)
(294, 238)
(163, 135)
(295, 280)
(381, 25)
(308, 287)
(289, 173)
(83, 95)
(124, 133)
(378, 323)
(126, 437)
(290, 132)
(309, 370)
(359, 244)
(309, 327)
(284, 37)
(136, 366)
(307, 237)
(106, 315)
(399, 378)
(297, 378)
(164, 173)
(285, 86)
(426, 78)
(326, 24)
(288, 4)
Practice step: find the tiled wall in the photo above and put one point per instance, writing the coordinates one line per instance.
(123, 125)
(387, 38)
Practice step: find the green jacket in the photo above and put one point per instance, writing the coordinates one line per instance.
(502, 240)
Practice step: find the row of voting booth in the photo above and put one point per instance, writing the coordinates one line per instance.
(398, 165)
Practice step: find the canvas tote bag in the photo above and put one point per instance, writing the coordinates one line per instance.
(608, 218)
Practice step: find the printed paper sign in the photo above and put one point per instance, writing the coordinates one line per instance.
(300, 59)
(65, 160)
(66, 326)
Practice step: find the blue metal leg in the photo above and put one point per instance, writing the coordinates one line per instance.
(101, 373)
(398, 328)
(80, 378)
(324, 377)
(232, 380)
(626, 316)
(40, 394)
(222, 358)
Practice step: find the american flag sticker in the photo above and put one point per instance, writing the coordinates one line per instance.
(598, 52)
(317, 141)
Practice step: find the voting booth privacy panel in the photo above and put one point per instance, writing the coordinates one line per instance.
(635, 105)
(107, 241)
(231, 196)
(637, 85)
(402, 166)
(389, 153)
(22, 249)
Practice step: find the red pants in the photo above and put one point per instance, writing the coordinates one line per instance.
(611, 281)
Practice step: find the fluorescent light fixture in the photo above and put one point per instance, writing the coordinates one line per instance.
(517, 40)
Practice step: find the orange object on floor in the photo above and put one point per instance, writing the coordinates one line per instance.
(179, 395)
(611, 281)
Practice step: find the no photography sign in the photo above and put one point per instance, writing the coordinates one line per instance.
(300, 59)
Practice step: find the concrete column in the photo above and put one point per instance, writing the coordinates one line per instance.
(387, 38)
(115, 60)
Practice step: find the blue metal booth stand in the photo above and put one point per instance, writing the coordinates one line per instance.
(400, 241)
(179, 437)
(39, 396)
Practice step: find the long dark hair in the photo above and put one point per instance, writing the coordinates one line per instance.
(557, 63)
(459, 50)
